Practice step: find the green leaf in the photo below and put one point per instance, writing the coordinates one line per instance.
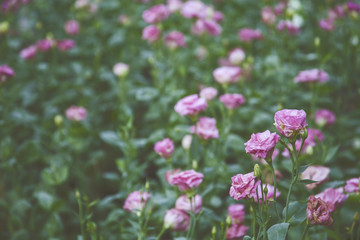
(278, 231)
(331, 153)
(247, 238)
(306, 181)
(112, 138)
(146, 93)
(45, 200)
(55, 175)
(296, 213)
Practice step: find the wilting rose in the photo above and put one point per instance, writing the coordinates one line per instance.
(174, 40)
(227, 74)
(187, 180)
(136, 201)
(176, 219)
(315, 173)
(183, 203)
(317, 212)
(236, 231)
(290, 122)
(248, 34)
(352, 185)
(6, 72)
(312, 75)
(165, 148)
(190, 105)
(333, 197)
(262, 144)
(243, 186)
(324, 117)
(156, 14)
(206, 128)
(237, 213)
(76, 113)
(208, 93)
(151, 33)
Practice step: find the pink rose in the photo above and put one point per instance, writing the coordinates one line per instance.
(248, 34)
(194, 9)
(165, 148)
(268, 16)
(187, 180)
(5, 73)
(336, 12)
(313, 75)
(237, 213)
(352, 185)
(270, 194)
(206, 128)
(289, 26)
(170, 174)
(319, 174)
(45, 44)
(190, 105)
(218, 16)
(174, 5)
(156, 14)
(183, 203)
(121, 69)
(290, 122)
(327, 24)
(28, 53)
(317, 212)
(72, 27)
(174, 40)
(324, 117)
(243, 186)
(236, 56)
(136, 201)
(150, 33)
(227, 74)
(332, 197)
(262, 144)
(176, 219)
(209, 26)
(208, 93)
(232, 100)
(65, 45)
(353, 6)
(236, 231)
(76, 113)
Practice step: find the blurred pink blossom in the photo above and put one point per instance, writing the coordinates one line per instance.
(165, 148)
(176, 219)
(248, 34)
(206, 128)
(136, 201)
(76, 113)
(174, 40)
(319, 174)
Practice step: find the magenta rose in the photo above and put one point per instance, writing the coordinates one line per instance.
(289, 26)
(151, 33)
(312, 75)
(174, 40)
(136, 201)
(28, 53)
(190, 105)
(333, 197)
(262, 144)
(208, 93)
(156, 14)
(317, 212)
(206, 128)
(236, 231)
(290, 122)
(352, 185)
(45, 44)
(324, 117)
(176, 219)
(236, 56)
(319, 174)
(6, 72)
(248, 34)
(232, 100)
(227, 74)
(187, 180)
(183, 203)
(72, 27)
(237, 213)
(270, 194)
(243, 186)
(353, 6)
(76, 113)
(65, 45)
(165, 148)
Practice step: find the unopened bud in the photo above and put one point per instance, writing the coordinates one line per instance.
(38, 25)
(194, 164)
(317, 42)
(266, 190)
(356, 217)
(304, 135)
(147, 186)
(354, 15)
(186, 142)
(257, 171)
(4, 27)
(58, 120)
(228, 220)
(77, 194)
(213, 230)
(121, 69)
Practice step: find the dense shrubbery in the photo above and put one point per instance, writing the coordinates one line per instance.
(125, 119)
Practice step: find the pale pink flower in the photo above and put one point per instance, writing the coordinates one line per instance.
(327, 24)
(279, 8)
(176, 219)
(174, 40)
(190, 105)
(218, 16)
(232, 100)
(261, 145)
(243, 186)
(237, 213)
(270, 194)
(151, 33)
(6, 72)
(183, 203)
(352, 185)
(236, 56)
(236, 231)
(187, 180)
(165, 148)
(194, 9)
(208, 93)
(290, 122)
(227, 74)
(136, 201)
(289, 26)
(170, 174)
(206, 128)
(65, 45)
(29, 52)
(156, 14)
(324, 117)
(206, 26)
(268, 15)
(317, 212)
(248, 34)
(121, 69)
(72, 27)
(201, 53)
(174, 5)
(76, 113)
(319, 174)
(333, 197)
(312, 75)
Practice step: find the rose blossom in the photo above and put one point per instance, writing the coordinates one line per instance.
(353, 6)
(352, 185)
(312, 75)
(190, 105)
(183, 203)
(121, 69)
(156, 14)
(315, 173)
(268, 16)
(165, 148)
(150, 33)
(236, 231)
(327, 24)
(136, 201)
(194, 9)
(176, 219)
(227, 74)
(324, 117)
(262, 144)
(208, 93)
(174, 5)
(72, 27)
(243, 186)
(5, 72)
(187, 180)
(236, 56)
(29, 52)
(280, 7)
(289, 26)
(290, 122)
(332, 197)
(44, 44)
(237, 213)
(65, 45)
(174, 40)
(248, 34)
(270, 194)
(336, 12)
(210, 26)
(206, 128)
(76, 113)
(170, 174)
(232, 101)
(317, 212)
